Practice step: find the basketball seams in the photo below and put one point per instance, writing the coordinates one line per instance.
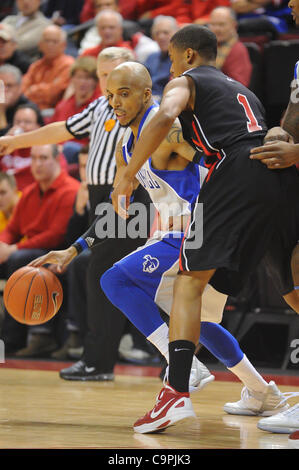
(17, 280)
(27, 295)
(43, 277)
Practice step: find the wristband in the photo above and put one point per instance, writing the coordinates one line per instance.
(80, 245)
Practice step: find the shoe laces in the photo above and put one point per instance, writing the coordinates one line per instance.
(245, 393)
(286, 396)
(292, 410)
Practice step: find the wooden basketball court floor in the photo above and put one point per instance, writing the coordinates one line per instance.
(38, 410)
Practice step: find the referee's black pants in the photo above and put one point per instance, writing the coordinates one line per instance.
(105, 323)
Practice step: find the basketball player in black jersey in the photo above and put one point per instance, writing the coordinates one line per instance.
(246, 207)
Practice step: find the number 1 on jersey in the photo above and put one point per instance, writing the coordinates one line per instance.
(252, 124)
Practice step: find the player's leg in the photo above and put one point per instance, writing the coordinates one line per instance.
(173, 404)
(135, 283)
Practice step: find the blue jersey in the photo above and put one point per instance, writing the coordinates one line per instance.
(173, 192)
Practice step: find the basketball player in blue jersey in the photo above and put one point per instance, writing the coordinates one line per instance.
(245, 206)
(143, 281)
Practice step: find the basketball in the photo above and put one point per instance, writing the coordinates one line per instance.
(32, 295)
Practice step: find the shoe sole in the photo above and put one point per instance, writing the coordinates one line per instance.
(233, 411)
(277, 429)
(293, 444)
(97, 378)
(201, 384)
(239, 412)
(165, 422)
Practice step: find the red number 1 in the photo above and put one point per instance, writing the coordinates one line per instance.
(252, 124)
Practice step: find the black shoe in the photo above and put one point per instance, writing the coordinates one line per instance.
(80, 371)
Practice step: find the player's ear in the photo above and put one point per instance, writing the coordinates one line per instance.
(147, 95)
(189, 55)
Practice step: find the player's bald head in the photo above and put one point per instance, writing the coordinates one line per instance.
(131, 74)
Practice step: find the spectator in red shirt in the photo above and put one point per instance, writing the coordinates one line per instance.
(27, 118)
(48, 77)
(232, 56)
(141, 44)
(109, 25)
(38, 224)
(200, 11)
(85, 88)
(128, 10)
(179, 9)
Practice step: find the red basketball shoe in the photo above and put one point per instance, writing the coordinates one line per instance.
(171, 407)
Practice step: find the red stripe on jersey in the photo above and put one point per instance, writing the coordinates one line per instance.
(211, 171)
(207, 152)
(199, 143)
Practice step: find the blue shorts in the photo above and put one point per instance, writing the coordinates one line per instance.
(153, 267)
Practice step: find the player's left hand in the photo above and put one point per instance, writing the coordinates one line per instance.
(60, 258)
(121, 196)
(276, 155)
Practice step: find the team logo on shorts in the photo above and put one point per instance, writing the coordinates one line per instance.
(150, 264)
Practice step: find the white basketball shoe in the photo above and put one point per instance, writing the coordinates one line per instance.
(200, 376)
(285, 422)
(267, 403)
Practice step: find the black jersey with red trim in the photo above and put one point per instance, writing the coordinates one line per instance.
(225, 114)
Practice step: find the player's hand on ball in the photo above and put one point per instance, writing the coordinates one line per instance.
(61, 259)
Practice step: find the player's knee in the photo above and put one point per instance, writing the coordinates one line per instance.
(112, 282)
(109, 282)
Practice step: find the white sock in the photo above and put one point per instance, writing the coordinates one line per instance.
(250, 377)
(159, 338)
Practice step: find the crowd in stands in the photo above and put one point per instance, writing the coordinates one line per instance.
(48, 73)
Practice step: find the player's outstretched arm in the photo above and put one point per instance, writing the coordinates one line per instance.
(60, 258)
(121, 166)
(175, 99)
(49, 134)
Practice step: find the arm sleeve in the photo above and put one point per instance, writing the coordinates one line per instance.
(97, 232)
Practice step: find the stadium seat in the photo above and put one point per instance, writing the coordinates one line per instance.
(256, 76)
(279, 59)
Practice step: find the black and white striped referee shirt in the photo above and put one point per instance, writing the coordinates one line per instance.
(99, 123)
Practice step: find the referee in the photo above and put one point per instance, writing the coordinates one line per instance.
(105, 323)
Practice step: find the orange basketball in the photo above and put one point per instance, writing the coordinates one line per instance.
(32, 295)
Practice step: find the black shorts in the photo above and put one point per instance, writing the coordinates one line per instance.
(277, 260)
(243, 206)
